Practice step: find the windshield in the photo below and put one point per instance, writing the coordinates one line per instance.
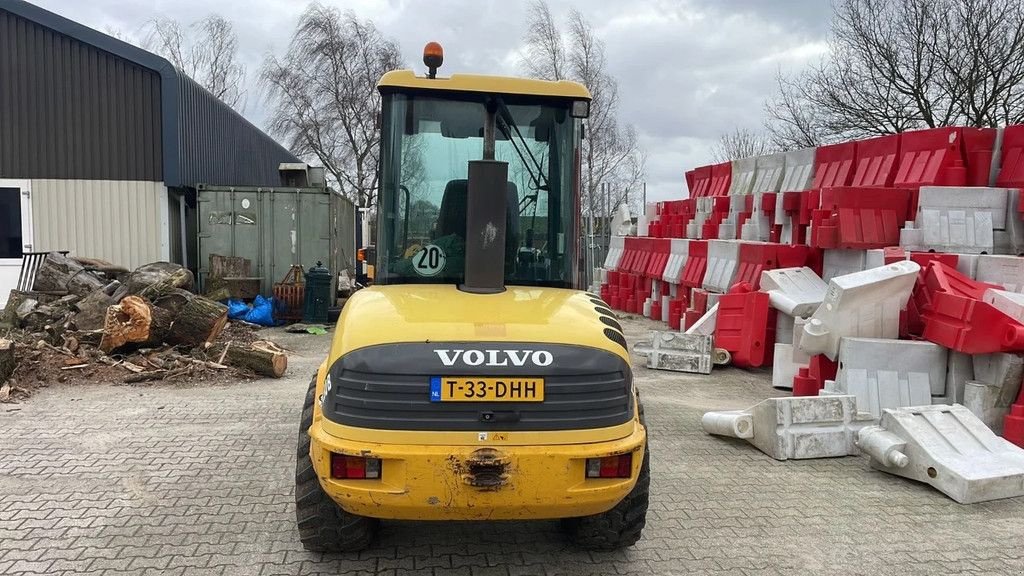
(427, 145)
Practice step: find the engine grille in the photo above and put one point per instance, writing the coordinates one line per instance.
(388, 387)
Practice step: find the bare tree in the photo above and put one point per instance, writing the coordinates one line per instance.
(611, 152)
(206, 50)
(897, 65)
(742, 143)
(323, 96)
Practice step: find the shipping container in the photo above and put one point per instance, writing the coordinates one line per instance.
(276, 228)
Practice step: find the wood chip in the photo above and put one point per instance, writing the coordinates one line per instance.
(75, 367)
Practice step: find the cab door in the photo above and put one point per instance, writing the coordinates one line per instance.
(15, 232)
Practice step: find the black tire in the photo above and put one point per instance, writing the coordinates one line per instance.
(323, 526)
(619, 527)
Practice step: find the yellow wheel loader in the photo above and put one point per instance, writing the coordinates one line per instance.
(474, 380)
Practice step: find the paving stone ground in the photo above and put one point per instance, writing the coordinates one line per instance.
(108, 479)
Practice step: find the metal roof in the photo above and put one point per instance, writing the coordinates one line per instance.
(203, 139)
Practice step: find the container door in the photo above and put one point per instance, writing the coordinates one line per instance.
(15, 232)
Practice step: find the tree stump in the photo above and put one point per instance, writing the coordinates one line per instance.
(134, 321)
(199, 320)
(7, 362)
(155, 279)
(262, 357)
(60, 274)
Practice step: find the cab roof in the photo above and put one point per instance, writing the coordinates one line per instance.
(399, 79)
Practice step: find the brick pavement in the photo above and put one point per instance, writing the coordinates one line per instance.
(163, 480)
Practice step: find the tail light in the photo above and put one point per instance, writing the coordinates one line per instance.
(620, 466)
(354, 467)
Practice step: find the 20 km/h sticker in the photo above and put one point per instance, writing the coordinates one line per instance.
(428, 261)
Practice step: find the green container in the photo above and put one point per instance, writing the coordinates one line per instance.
(276, 228)
(318, 295)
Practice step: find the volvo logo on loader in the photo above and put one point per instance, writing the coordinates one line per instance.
(538, 358)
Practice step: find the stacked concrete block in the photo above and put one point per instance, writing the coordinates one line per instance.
(676, 261)
(864, 304)
(784, 328)
(703, 211)
(996, 385)
(957, 220)
(744, 171)
(843, 262)
(794, 428)
(889, 373)
(1007, 271)
(1015, 223)
(758, 226)
(789, 358)
(948, 448)
(723, 256)
(728, 228)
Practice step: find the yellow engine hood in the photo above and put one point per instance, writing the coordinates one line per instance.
(440, 313)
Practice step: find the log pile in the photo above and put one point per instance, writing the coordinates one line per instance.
(148, 325)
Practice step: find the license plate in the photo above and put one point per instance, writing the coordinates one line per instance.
(475, 389)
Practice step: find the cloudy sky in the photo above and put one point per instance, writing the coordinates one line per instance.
(688, 70)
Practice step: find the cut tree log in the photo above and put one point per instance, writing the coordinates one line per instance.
(134, 321)
(92, 310)
(262, 357)
(7, 360)
(199, 320)
(152, 280)
(19, 305)
(60, 274)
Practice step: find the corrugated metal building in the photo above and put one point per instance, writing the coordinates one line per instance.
(102, 145)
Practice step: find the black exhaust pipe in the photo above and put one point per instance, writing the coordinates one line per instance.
(486, 211)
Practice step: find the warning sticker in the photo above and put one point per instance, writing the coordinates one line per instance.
(429, 261)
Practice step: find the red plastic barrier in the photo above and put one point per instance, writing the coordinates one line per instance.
(661, 249)
(746, 328)
(1011, 173)
(1013, 424)
(630, 252)
(696, 264)
(699, 302)
(833, 165)
(675, 313)
(860, 218)
(978, 148)
(721, 179)
(931, 157)
(876, 162)
(941, 277)
(911, 323)
(754, 258)
(970, 326)
(701, 181)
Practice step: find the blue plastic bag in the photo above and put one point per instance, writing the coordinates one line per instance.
(237, 310)
(262, 312)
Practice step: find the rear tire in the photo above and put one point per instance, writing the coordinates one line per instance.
(323, 525)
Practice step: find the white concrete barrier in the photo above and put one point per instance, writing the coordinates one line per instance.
(799, 171)
(843, 262)
(890, 373)
(948, 448)
(676, 260)
(743, 172)
(677, 352)
(705, 325)
(1007, 271)
(616, 245)
(1009, 303)
(956, 219)
(864, 304)
(784, 368)
(793, 291)
(769, 172)
(723, 256)
(794, 428)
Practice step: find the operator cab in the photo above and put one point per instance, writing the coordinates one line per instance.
(433, 129)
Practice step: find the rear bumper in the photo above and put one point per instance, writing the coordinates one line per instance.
(435, 482)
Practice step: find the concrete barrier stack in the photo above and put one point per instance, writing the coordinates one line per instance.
(903, 249)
